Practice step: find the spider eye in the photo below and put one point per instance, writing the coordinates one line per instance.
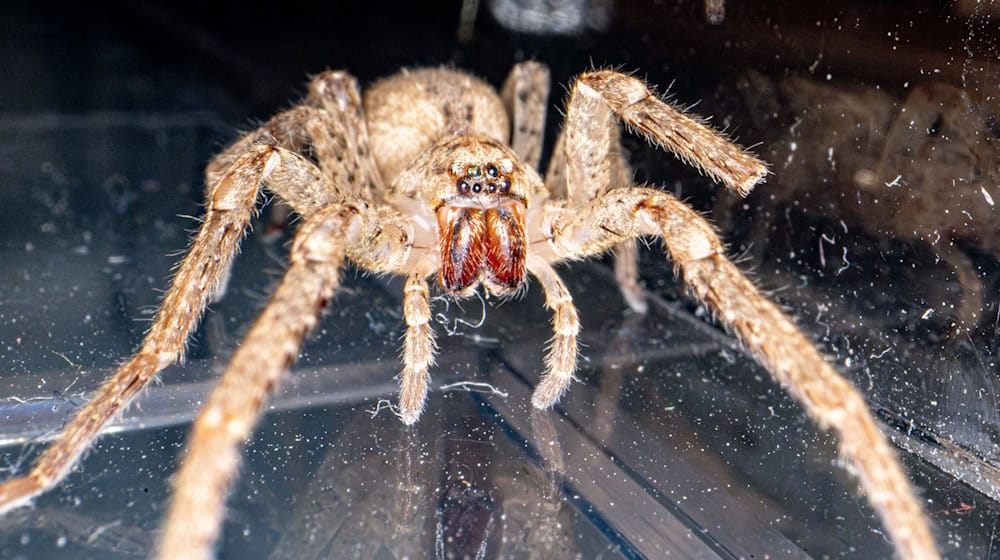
(504, 185)
(472, 171)
(492, 171)
(491, 188)
(463, 186)
(478, 187)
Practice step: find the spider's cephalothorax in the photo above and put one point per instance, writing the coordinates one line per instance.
(430, 174)
(457, 164)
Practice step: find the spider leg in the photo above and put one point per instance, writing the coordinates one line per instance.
(627, 252)
(332, 108)
(292, 130)
(662, 124)
(627, 275)
(561, 360)
(766, 332)
(268, 350)
(340, 139)
(418, 350)
(331, 125)
(198, 278)
(584, 151)
(287, 130)
(525, 95)
(555, 173)
(589, 159)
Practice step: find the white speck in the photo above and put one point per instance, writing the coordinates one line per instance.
(927, 314)
(637, 96)
(986, 195)
(474, 387)
(847, 263)
(272, 161)
(880, 354)
(894, 182)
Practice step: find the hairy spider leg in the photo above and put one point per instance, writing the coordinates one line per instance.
(525, 95)
(375, 238)
(272, 345)
(206, 266)
(560, 361)
(418, 349)
(768, 334)
(611, 215)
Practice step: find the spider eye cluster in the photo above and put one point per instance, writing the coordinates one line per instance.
(490, 178)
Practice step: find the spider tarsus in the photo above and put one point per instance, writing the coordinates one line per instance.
(412, 396)
(627, 275)
(410, 418)
(548, 392)
(636, 299)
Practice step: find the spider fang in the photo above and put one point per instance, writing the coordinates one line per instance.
(482, 245)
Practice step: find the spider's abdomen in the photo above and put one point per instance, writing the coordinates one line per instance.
(409, 111)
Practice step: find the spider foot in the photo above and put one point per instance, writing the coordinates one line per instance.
(635, 297)
(413, 391)
(410, 418)
(627, 276)
(548, 392)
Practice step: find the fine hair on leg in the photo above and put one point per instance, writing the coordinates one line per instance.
(267, 352)
(560, 362)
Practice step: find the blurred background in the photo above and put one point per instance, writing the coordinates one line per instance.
(878, 230)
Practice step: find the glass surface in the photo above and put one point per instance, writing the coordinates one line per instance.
(674, 441)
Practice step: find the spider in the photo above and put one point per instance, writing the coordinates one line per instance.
(433, 173)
